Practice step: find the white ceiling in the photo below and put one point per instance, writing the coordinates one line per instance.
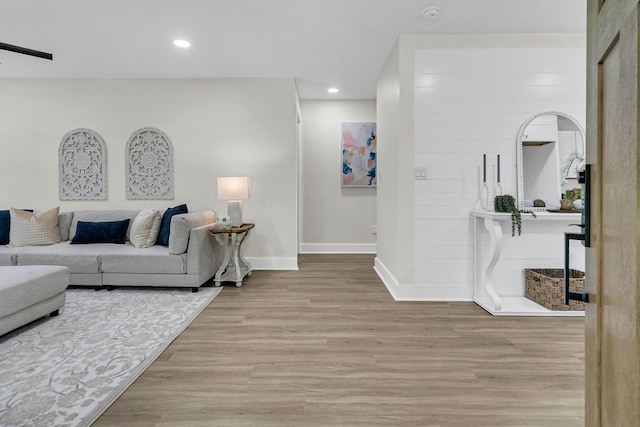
(323, 43)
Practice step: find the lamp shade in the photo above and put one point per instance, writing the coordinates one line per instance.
(233, 188)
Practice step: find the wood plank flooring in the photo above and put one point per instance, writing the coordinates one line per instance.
(328, 346)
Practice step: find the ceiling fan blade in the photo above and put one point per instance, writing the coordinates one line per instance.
(26, 51)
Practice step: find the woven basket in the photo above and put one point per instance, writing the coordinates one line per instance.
(546, 287)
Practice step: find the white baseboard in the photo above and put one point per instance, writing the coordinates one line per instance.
(420, 292)
(266, 263)
(337, 248)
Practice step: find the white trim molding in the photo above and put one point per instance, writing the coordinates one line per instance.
(420, 292)
(338, 248)
(272, 263)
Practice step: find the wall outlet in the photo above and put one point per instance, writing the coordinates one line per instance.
(420, 173)
(374, 229)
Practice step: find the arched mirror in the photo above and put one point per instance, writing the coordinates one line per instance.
(550, 150)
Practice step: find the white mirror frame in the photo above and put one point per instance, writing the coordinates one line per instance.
(521, 134)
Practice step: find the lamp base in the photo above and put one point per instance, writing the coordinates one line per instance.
(234, 210)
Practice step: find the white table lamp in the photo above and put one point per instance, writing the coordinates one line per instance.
(234, 189)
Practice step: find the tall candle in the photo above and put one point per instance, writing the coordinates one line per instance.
(484, 168)
(498, 168)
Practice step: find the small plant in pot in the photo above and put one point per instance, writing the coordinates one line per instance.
(507, 203)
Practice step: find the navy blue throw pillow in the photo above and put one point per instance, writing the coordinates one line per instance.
(5, 226)
(5, 219)
(165, 225)
(101, 232)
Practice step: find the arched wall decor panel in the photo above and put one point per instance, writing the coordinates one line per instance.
(82, 160)
(149, 165)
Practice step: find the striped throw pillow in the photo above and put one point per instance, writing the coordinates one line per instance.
(141, 228)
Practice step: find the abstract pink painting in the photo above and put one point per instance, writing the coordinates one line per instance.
(359, 151)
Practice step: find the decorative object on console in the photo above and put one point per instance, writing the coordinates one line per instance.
(539, 203)
(506, 203)
(359, 154)
(573, 194)
(485, 194)
(552, 204)
(566, 204)
(234, 189)
(498, 185)
(149, 166)
(484, 168)
(484, 190)
(82, 164)
(224, 222)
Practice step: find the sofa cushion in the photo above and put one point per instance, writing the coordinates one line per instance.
(64, 224)
(129, 259)
(29, 229)
(101, 232)
(181, 226)
(141, 228)
(165, 226)
(79, 258)
(97, 216)
(9, 254)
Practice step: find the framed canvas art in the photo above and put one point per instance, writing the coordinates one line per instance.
(359, 151)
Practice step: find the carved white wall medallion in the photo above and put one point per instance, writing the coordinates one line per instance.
(82, 160)
(149, 165)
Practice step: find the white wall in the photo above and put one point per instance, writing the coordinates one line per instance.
(218, 127)
(334, 219)
(472, 93)
(394, 260)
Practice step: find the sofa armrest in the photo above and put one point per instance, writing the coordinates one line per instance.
(203, 252)
(181, 226)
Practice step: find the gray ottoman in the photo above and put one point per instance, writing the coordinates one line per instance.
(30, 292)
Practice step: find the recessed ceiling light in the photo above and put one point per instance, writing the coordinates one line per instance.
(181, 43)
(431, 12)
(334, 90)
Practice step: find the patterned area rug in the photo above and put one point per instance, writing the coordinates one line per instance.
(67, 370)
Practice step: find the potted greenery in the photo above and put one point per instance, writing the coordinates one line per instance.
(507, 203)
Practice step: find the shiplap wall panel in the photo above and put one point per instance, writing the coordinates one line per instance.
(469, 102)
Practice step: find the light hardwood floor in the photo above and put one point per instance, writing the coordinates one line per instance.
(328, 346)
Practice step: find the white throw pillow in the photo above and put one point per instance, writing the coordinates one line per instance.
(29, 229)
(155, 229)
(141, 228)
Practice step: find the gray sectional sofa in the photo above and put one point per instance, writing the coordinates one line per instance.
(190, 260)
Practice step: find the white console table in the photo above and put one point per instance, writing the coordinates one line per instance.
(485, 260)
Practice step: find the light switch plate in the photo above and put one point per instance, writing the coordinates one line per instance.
(420, 173)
